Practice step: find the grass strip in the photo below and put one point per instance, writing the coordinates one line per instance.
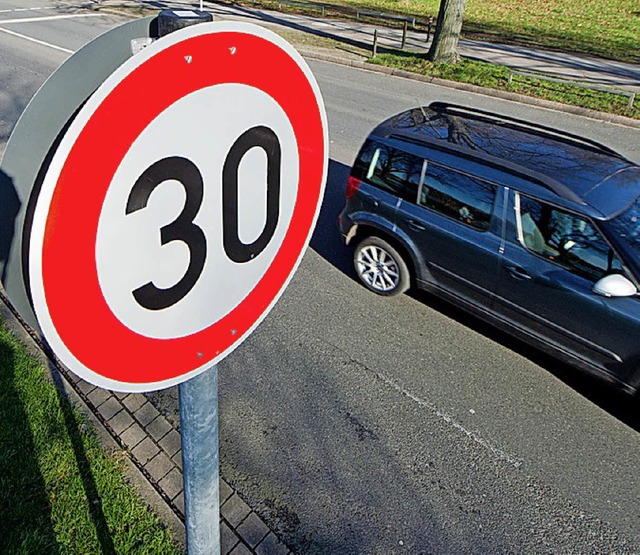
(484, 74)
(59, 491)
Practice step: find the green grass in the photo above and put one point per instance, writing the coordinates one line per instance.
(606, 28)
(497, 77)
(59, 491)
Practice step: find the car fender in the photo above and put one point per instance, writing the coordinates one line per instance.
(367, 223)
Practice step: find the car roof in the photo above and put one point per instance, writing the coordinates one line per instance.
(575, 168)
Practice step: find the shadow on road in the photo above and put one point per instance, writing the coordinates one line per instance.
(623, 407)
(326, 237)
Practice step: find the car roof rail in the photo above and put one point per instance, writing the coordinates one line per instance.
(499, 163)
(491, 116)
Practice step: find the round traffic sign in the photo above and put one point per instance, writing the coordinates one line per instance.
(178, 205)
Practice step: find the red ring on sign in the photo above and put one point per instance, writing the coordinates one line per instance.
(82, 319)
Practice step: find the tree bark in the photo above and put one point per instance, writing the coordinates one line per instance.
(444, 48)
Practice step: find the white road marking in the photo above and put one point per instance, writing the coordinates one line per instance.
(48, 18)
(31, 39)
(497, 452)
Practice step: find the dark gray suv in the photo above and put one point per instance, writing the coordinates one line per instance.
(532, 228)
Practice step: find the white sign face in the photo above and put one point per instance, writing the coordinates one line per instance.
(178, 205)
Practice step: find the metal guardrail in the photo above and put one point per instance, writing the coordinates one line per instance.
(602, 88)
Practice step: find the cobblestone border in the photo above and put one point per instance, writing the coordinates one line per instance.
(153, 446)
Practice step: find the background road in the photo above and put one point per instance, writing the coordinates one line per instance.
(358, 424)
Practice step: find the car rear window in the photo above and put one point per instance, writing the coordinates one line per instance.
(389, 169)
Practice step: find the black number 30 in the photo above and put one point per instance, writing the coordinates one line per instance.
(184, 229)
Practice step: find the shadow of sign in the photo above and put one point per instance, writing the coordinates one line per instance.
(9, 208)
(24, 503)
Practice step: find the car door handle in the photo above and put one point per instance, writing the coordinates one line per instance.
(415, 225)
(518, 273)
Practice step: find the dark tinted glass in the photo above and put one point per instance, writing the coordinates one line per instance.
(572, 163)
(627, 228)
(390, 169)
(567, 239)
(459, 196)
(363, 161)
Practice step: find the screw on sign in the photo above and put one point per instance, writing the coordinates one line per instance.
(178, 205)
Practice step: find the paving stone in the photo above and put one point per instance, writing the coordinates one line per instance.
(225, 491)
(145, 451)
(146, 414)
(235, 510)
(177, 458)
(132, 436)
(159, 428)
(119, 394)
(271, 545)
(228, 539)
(240, 549)
(86, 387)
(72, 377)
(109, 408)
(171, 443)
(98, 396)
(134, 401)
(120, 422)
(252, 530)
(159, 466)
(171, 484)
(179, 502)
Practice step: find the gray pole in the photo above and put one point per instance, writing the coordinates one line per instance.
(198, 399)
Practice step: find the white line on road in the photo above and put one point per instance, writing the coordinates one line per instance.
(31, 39)
(498, 453)
(48, 18)
(26, 9)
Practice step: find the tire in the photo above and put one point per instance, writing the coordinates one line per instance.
(380, 267)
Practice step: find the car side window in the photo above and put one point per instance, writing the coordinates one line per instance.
(457, 195)
(567, 239)
(390, 169)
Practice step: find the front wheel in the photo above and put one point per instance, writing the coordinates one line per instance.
(380, 267)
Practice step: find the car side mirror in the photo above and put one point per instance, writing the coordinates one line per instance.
(614, 285)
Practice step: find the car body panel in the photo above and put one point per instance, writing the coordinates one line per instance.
(511, 221)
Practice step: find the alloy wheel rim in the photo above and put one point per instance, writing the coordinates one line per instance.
(378, 269)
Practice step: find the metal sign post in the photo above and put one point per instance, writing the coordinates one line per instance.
(198, 399)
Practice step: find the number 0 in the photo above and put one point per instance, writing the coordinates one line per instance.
(266, 139)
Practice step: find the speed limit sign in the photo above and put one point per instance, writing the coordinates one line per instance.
(177, 206)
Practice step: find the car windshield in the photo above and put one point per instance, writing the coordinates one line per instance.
(626, 228)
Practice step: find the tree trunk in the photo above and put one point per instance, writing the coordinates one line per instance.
(444, 48)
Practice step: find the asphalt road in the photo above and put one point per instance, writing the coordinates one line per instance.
(358, 424)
